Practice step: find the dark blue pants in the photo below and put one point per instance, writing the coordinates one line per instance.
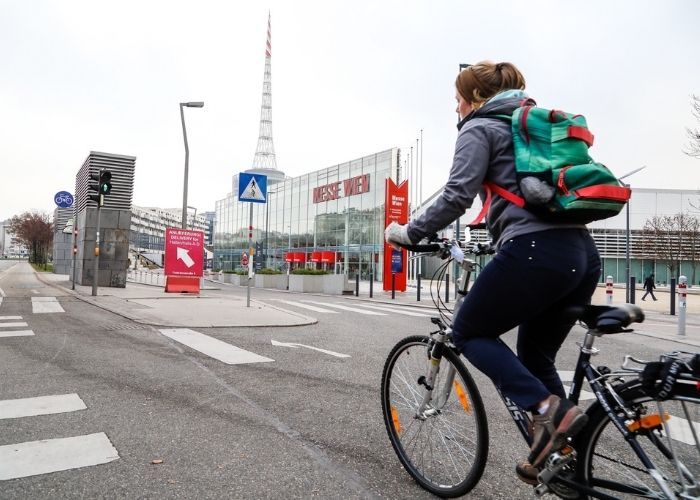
(530, 280)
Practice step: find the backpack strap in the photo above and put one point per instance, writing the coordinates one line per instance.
(490, 187)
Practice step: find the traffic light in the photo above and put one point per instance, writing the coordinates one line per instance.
(105, 184)
(94, 188)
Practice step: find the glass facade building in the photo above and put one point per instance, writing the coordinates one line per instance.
(336, 211)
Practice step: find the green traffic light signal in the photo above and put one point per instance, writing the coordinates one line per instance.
(105, 184)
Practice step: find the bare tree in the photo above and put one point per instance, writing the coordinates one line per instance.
(693, 147)
(672, 238)
(35, 231)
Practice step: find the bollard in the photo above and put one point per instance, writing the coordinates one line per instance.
(682, 292)
(357, 285)
(393, 285)
(673, 296)
(633, 283)
(447, 288)
(608, 289)
(371, 285)
(418, 289)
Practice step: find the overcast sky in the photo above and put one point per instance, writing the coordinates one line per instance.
(348, 79)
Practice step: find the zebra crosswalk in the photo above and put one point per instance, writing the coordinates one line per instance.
(9, 327)
(332, 307)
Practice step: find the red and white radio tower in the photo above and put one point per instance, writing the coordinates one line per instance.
(264, 161)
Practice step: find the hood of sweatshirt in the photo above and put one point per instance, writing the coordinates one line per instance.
(503, 103)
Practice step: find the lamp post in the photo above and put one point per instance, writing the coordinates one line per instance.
(627, 235)
(198, 104)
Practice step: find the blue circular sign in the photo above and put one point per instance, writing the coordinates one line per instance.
(63, 199)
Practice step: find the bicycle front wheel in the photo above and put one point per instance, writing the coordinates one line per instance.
(444, 447)
(667, 431)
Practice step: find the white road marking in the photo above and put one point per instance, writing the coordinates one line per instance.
(5, 318)
(41, 305)
(42, 405)
(2, 293)
(346, 308)
(398, 310)
(568, 376)
(35, 291)
(680, 430)
(16, 333)
(295, 345)
(13, 325)
(52, 455)
(307, 306)
(212, 347)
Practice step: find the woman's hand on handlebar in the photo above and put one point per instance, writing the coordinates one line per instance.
(396, 235)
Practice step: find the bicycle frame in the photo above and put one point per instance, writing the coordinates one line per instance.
(597, 379)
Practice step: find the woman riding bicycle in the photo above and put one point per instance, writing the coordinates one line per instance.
(540, 268)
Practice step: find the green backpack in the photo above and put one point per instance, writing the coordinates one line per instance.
(558, 179)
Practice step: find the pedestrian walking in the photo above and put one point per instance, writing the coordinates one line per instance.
(649, 287)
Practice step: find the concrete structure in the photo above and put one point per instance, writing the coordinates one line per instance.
(63, 240)
(115, 221)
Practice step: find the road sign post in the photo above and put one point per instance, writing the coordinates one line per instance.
(253, 189)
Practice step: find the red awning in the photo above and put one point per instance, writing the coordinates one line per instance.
(315, 256)
(299, 257)
(328, 257)
(289, 257)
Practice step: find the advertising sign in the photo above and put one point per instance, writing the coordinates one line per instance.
(184, 252)
(396, 204)
(396, 261)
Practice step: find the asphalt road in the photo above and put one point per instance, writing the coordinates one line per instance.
(307, 425)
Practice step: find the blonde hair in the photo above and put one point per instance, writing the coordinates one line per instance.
(479, 82)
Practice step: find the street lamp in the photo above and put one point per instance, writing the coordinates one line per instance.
(627, 235)
(197, 104)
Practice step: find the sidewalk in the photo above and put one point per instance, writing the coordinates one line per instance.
(659, 323)
(150, 305)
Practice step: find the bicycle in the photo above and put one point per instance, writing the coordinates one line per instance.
(641, 439)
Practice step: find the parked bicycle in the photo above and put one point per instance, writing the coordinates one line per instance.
(642, 435)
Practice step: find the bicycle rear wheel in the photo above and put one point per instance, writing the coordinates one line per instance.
(608, 464)
(445, 448)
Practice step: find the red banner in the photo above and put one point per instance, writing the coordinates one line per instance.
(184, 252)
(395, 210)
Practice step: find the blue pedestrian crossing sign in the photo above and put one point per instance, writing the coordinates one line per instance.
(252, 187)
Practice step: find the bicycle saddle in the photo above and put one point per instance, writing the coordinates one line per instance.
(608, 319)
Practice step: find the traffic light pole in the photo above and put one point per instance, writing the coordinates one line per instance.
(97, 252)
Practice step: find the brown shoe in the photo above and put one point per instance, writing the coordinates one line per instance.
(562, 420)
(527, 473)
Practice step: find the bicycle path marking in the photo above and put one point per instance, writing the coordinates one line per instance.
(214, 348)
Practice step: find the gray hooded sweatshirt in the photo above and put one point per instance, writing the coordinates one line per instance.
(484, 152)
